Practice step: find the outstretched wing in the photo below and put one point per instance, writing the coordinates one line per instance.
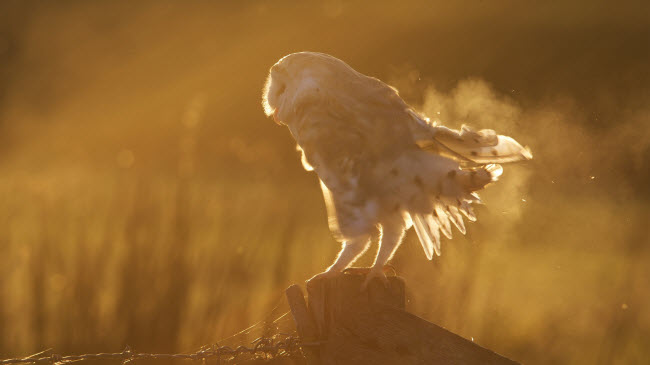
(478, 153)
(467, 146)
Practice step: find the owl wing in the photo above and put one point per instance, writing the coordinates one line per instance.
(478, 153)
(336, 153)
(330, 204)
(468, 147)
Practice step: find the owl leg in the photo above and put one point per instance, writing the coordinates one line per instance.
(351, 250)
(391, 238)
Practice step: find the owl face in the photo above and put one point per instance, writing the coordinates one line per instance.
(299, 78)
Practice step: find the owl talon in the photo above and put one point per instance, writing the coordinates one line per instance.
(374, 273)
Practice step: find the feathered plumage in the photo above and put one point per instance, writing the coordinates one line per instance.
(380, 163)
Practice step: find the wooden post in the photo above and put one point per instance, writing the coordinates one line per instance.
(304, 323)
(333, 299)
(371, 327)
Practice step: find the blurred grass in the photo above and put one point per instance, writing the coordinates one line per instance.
(93, 261)
(145, 199)
(134, 259)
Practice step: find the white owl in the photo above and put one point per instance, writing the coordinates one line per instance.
(381, 165)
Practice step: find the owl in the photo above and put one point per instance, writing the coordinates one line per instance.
(383, 167)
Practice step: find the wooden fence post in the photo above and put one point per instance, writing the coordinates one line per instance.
(371, 327)
(304, 323)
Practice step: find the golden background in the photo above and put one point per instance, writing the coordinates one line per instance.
(145, 199)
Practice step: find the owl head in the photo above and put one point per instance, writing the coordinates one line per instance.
(302, 78)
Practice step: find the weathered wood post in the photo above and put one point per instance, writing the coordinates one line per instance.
(304, 323)
(372, 327)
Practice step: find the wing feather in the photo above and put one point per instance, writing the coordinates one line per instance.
(424, 236)
(434, 229)
(443, 219)
(456, 218)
